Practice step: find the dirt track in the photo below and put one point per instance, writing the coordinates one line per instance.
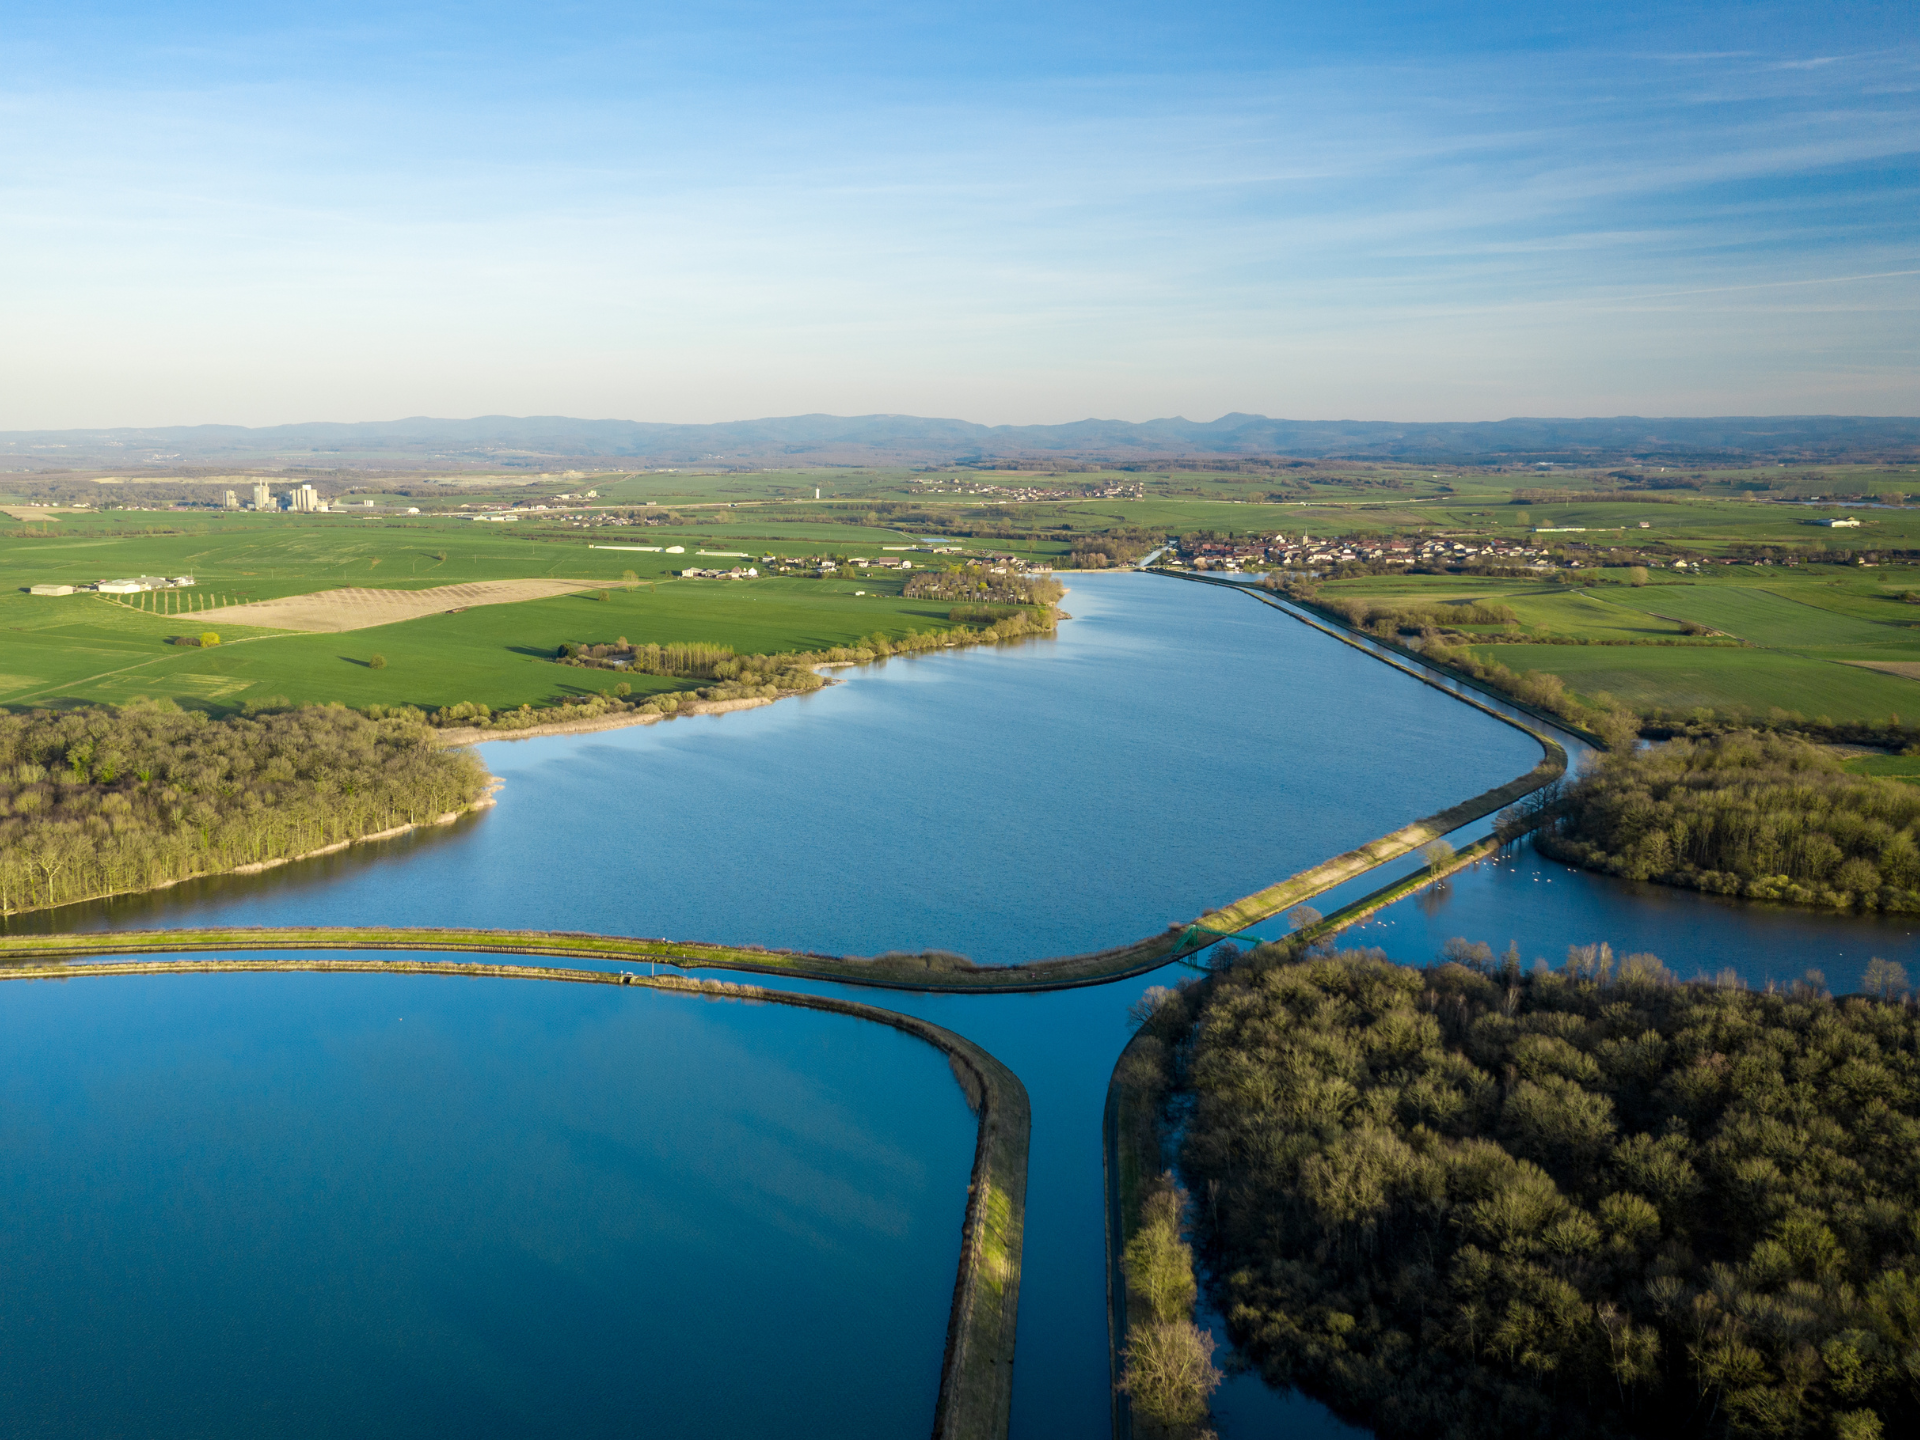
(336, 610)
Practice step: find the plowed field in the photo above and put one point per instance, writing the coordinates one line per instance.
(333, 611)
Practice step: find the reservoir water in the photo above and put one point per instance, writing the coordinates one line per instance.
(1175, 747)
(1527, 900)
(376, 1205)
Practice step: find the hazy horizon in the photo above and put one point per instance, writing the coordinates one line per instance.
(692, 214)
(1056, 422)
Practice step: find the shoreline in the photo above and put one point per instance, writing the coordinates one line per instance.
(929, 971)
(259, 867)
(485, 802)
(475, 735)
(452, 737)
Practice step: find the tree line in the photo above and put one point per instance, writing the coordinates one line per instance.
(732, 676)
(1602, 717)
(102, 800)
(1120, 546)
(1746, 813)
(1475, 1202)
(977, 582)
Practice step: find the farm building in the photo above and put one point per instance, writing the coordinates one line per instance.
(141, 583)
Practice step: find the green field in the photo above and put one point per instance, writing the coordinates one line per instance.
(1801, 627)
(1904, 768)
(1800, 622)
(1788, 617)
(1755, 681)
(92, 648)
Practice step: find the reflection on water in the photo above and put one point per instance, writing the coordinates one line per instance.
(1176, 747)
(1543, 907)
(307, 1205)
(286, 887)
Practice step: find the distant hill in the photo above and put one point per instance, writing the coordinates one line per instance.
(543, 441)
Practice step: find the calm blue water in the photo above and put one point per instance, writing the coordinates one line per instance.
(1544, 907)
(324, 1205)
(1177, 746)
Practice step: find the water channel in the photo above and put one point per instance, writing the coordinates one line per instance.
(1175, 747)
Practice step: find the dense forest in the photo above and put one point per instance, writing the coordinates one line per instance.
(1471, 1202)
(99, 801)
(1746, 813)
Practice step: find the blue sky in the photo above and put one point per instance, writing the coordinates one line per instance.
(255, 214)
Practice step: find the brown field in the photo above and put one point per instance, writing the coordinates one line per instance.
(1907, 669)
(333, 611)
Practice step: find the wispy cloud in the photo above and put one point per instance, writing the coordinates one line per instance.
(650, 234)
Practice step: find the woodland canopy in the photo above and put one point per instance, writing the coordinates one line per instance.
(1586, 1203)
(99, 801)
(1749, 814)
(979, 582)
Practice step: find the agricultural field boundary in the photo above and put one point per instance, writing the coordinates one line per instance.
(337, 611)
(976, 1375)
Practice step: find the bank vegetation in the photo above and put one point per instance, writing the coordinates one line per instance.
(718, 673)
(1425, 630)
(977, 582)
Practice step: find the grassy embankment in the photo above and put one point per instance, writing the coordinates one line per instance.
(976, 1376)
